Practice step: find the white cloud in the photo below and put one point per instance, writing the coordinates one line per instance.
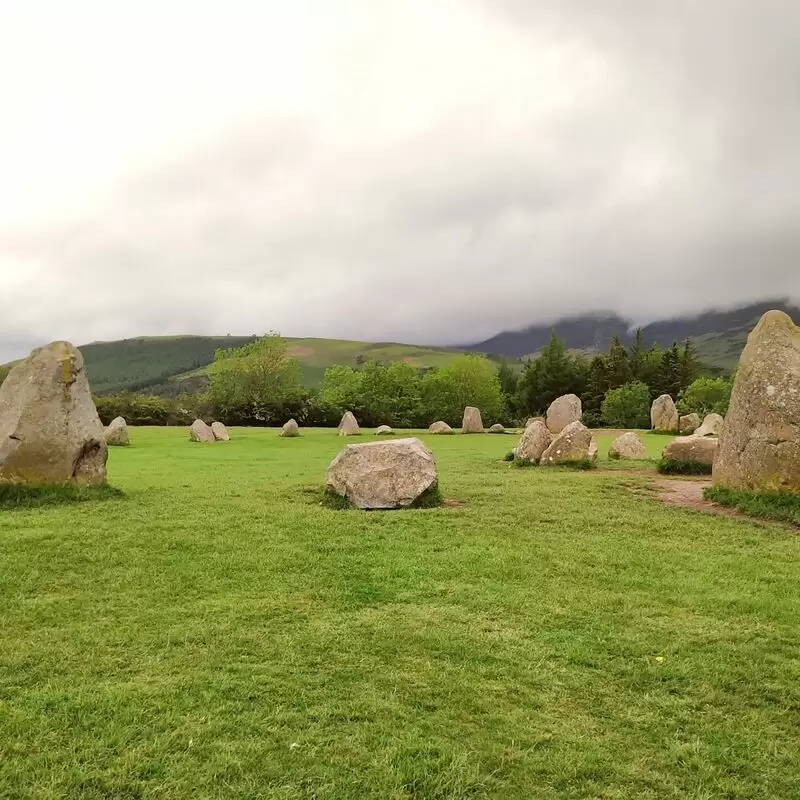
(389, 168)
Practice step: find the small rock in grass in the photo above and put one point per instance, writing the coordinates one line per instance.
(200, 432)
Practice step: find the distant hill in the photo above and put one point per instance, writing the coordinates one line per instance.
(169, 365)
(720, 336)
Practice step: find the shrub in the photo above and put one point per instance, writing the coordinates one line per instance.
(669, 466)
(706, 396)
(628, 406)
(591, 419)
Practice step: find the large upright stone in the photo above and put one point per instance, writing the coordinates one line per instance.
(472, 422)
(759, 449)
(563, 412)
(383, 475)
(664, 415)
(574, 443)
(200, 432)
(628, 447)
(712, 426)
(49, 429)
(534, 441)
(689, 423)
(220, 432)
(116, 434)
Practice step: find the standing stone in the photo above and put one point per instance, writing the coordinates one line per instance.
(349, 425)
(698, 449)
(759, 449)
(689, 424)
(440, 428)
(563, 412)
(384, 430)
(116, 434)
(531, 420)
(290, 429)
(663, 414)
(534, 441)
(472, 422)
(49, 429)
(220, 432)
(628, 447)
(574, 443)
(383, 475)
(497, 428)
(200, 432)
(712, 426)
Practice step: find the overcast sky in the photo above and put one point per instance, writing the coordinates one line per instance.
(418, 170)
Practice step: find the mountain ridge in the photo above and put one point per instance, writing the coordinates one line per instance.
(719, 334)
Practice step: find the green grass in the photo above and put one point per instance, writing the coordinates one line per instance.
(777, 506)
(15, 496)
(221, 634)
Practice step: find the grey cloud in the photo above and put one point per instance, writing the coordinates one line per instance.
(677, 188)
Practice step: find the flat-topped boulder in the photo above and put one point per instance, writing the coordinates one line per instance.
(220, 432)
(50, 432)
(628, 447)
(497, 428)
(574, 444)
(664, 415)
(712, 426)
(383, 475)
(116, 434)
(384, 430)
(349, 425)
(689, 423)
(200, 432)
(695, 449)
(759, 448)
(562, 412)
(533, 442)
(440, 428)
(290, 429)
(472, 422)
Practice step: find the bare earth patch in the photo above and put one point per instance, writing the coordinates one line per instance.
(689, 494)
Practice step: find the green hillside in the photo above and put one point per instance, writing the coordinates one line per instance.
(172, 364)
(138, 364)
(316, 355)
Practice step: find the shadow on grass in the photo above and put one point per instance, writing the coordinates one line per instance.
(17, 496)
(774, 506)
(669, 466)
(430, 498)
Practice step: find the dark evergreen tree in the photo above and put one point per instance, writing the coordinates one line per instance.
(638, 357)
(669, 374)
(689, 364)
(596, 385)
(553, 373)
(618, 366)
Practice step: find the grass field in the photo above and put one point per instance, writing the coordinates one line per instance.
(219, 634)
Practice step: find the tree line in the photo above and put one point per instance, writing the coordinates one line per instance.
(259, 384)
